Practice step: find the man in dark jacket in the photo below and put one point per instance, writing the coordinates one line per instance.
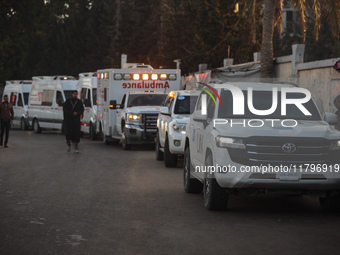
(73, 109)
(6, 119)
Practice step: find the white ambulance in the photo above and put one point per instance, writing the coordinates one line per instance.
(18, 93)
(87, 91)
(47, 96)
(129, 100)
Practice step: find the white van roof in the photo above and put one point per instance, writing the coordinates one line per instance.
(28, 82)
(55, 77)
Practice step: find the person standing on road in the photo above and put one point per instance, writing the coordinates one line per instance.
(6, 119)
(73, 109)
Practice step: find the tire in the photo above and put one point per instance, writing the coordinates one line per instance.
(125, 144)
(93, 134)
(170, 160)
(215, 197)
(330, 203)
(23, 125)
(191, 184)
(36, 127)
(159, 153)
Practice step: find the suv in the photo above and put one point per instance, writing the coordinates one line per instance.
(231, 150)
(171, 125)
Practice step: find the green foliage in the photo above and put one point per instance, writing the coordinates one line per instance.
(73, 36)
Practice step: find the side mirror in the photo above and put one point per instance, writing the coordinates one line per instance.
(113, 104)
(331, 118)
(164, 110)
(336, 66)
(197, 116)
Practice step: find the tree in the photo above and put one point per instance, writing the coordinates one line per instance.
(315, 8)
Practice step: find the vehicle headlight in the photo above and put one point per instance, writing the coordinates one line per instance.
(230, 142)
(180, 128)
(133, 117)
(335, 145)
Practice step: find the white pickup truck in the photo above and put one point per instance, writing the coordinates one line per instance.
(238, 141)
(171, 125)
(137, 117)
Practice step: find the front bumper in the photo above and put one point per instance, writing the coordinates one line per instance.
(137, 135)
(229, 174)
(176, 143)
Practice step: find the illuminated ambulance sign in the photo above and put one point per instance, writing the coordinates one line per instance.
(139, 78)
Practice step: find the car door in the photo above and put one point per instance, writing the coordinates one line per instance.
(200, 131)
(58, 110)
(120, 115)
(194, 127)
(164, 121)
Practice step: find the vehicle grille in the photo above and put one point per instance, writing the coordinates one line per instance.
(149, 125)
(268, 150)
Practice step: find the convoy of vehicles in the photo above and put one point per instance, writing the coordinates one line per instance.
(229, 146)
(87, 91)
(18, 93)
(245, 153)
(171, 125)
(47, 95)
(129, 100)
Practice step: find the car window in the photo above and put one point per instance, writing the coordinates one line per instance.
(261, 102)
(94, 96)
(185, 104)
(26, 96)
(145, 100)
(59, 98)
(19, 103)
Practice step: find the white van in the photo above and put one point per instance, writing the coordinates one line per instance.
(47, 96)
(18, 93)
(87, 91)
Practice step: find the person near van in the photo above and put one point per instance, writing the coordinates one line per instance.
(6, 119)
(337, 105)
(73, 109)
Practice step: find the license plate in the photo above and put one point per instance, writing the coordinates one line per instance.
(289, 176)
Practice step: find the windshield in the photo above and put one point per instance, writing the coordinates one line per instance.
(145, 100)
(185, 104)
(262, 100)
(68, 94)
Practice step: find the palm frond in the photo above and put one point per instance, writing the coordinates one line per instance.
(300, 5)
(278, 22)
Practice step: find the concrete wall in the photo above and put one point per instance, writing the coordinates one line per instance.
(318, 77)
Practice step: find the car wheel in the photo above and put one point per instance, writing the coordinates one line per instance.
(215, 197)
(125, 144)
(23, 124)
(93, 134)
(36, 126)
(191, 184)
(170, 160)
(159, 153)
(330, 203)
